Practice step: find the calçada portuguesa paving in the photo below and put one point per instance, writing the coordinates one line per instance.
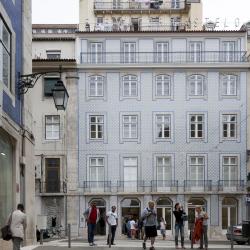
(126, 244)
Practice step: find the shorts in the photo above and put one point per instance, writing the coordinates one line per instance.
(163, 232)
(150, 231)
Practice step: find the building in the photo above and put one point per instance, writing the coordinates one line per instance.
(162, 114)
(16, 135)
(56, 151)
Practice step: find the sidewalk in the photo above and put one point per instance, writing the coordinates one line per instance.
(125, 244)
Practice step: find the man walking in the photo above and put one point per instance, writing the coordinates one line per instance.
(150, 221)
(92, 216)
(17, 226)
(112, 221)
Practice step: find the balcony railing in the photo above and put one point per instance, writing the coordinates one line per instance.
(164, 186)
(97, 186)
(197, 185)
(130, 186)
(231, 185)
(165, 57)
(132, 5)
(53, 187)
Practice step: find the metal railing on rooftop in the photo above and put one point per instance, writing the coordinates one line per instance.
(164, 57)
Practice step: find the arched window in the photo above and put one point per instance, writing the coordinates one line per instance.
(96, 86)
(229, 212)
(163, 86)
(196, 85)
(164, 208)
(129, 86)
(229, 85)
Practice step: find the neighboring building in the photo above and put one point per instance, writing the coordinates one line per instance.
(140, 15)
(16, 138)
(56, 131)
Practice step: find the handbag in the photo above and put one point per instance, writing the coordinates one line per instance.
(6, 232)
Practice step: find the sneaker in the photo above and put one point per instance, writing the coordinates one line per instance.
(90, 244)
(93, 244)
(152, 248)
(144, 245)
(113, 244)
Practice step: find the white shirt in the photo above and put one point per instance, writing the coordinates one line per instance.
(132, 224)
(112, 218)
(162, 225)
(18, 224)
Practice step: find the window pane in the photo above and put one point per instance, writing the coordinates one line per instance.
(49, 84)
(6, 68)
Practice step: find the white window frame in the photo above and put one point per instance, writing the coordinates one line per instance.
(230, 125)
(195, 50)
(162, 52)
(175, 4)
(53, 54)
(161, 81)
(197, 165)
(96, 52)
(96, 124)
(230, 182)
(196, 124)
(130, 81)
(130, 124)
(96, 81)
(165, 121)
(194, 83)
(228, 50)
(130, 185)
(227, 81)
(129, 52)
(54, 127)
(166, 166)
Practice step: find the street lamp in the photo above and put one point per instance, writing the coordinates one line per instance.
(60, 93)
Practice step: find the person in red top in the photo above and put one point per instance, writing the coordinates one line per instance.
(92, 215)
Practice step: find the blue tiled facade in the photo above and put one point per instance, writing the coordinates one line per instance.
(14, 12)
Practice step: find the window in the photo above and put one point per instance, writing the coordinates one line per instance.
(175, 4)
(53, 54)
(154, 22)
(96, 127)
(52, 168)
(5, 55)
(163, 86)
(96, 53)
(96, 170)
(52, 127)
(175, 23)
(229, 212)
(96, 86)
(196, 126)
(162, 52)
(164, 169)
(49, 84)
(129, 50)
(196, 168)
(229, 85)
(229, 123)
(130, 126)
(163, 126)
(196, 85)
(130, 165)
(228, 51)
(230, 170)
(195, 51)
(129, 86)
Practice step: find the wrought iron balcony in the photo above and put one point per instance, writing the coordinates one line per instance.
(231, 185)
(53, 187)
(206, 57)
(164, 186)
(197, 185)
(97, 186)
(130, 186)
(133, 6)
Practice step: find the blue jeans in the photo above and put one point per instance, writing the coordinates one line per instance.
(91, 230)
(179, 227)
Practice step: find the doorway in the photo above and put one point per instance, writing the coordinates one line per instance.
(164, 210)
(52, 168)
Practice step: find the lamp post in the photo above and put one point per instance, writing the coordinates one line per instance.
(60, 93)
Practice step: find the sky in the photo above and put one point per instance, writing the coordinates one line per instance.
(229, 14)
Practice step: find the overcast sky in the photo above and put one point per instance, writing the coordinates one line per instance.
(229, 13)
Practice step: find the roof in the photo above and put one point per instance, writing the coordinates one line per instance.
(54, 60)
(53, 39)
(54, 26)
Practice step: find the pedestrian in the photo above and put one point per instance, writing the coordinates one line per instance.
(17, 226)
(150, 222)
(112, 221)
(92, 216)
(163, 228)
(201, 220)
(133, 228)
(179, 214)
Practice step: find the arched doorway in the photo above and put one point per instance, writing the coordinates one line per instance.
(191, 209)
(164, 208)
(131, 208)
(229, 212)
(101, 224)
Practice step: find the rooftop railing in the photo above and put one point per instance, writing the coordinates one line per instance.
(164, 57)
